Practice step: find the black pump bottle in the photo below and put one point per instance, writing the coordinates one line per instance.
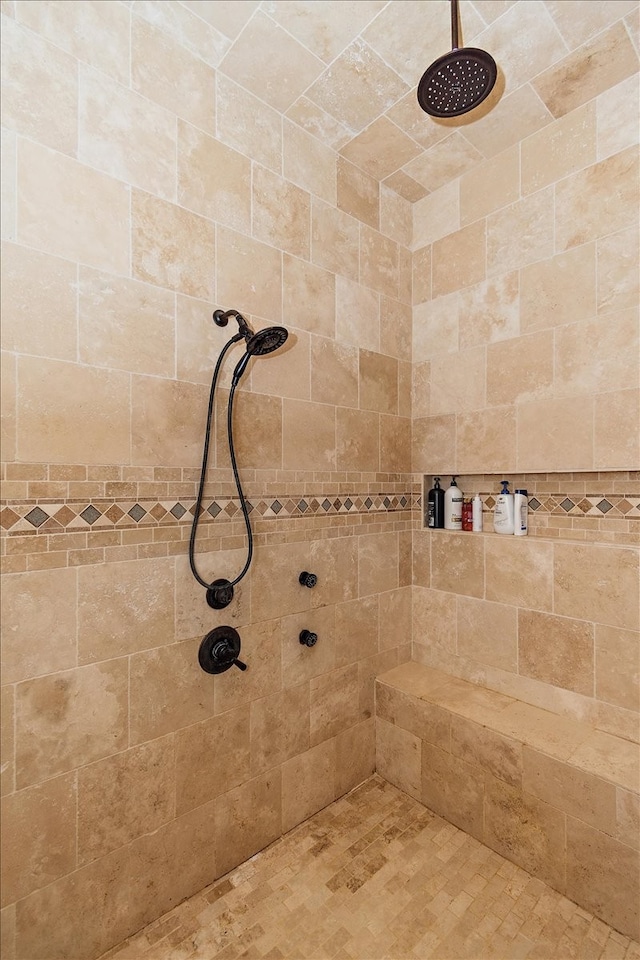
(435, 506)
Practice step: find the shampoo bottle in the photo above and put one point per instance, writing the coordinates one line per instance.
(476, 508)
(520, 518)
(503, 510)
(453, 507)
(435, 506)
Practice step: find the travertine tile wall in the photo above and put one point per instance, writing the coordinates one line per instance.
(526, 365)
(143, 189)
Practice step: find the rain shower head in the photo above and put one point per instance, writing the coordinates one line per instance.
(459, 81)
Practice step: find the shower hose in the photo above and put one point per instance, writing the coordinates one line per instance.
(234, 466)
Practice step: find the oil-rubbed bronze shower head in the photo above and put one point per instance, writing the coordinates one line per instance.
(459, 81)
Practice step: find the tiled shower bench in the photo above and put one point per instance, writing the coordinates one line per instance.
(554, 795)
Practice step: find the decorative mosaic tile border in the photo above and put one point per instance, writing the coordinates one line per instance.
(108, 515)
(591, 505)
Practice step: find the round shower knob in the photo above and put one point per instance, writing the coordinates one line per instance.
(219, 651)
(307, 579)
(308, 638)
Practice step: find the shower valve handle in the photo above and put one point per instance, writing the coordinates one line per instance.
(308, 638)
(307, 579)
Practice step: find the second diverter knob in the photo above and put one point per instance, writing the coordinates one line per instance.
(308, 638)
(307, 579)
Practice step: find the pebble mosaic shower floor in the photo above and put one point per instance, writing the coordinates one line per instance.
(376, 875)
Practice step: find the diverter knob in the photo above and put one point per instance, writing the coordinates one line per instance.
(308, 638)
(307, 579)
(219, 651)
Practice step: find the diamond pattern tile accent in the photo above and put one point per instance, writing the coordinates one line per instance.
(8, 518)
(137, 512)
(604, 506)
(567, 504)
(178, 511)
(90, 515)
(214, 509)
(37, 517)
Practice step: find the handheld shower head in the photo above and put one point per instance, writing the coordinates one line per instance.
(258, 345)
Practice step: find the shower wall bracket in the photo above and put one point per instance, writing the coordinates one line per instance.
(220, 594)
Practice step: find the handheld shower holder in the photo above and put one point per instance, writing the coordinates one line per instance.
(220, 594)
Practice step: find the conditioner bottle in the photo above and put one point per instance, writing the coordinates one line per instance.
(520, 517)
(435, 506)
(453, 507)
(503, 510)
(476, 509)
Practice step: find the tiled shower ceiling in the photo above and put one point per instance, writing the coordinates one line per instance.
(347, 72)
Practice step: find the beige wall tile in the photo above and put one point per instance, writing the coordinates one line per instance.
(8, 156)
(70, 718)
(424, 720)
(457, 564)
(434, 619)
(595, 356)
(193, 615)
(280, 213)
(8, 388)
(433, 444)
(334, 372)
(457, 382)
(358, 194)
(124, 607)
(486, 440)
(559, 149)
(615, 446)
(599, 64)
(406, 187)
(524, 42)
(622, 100)
(213, 179)
(7, 739)
(396, 219)
(335, 563)
(126, 136)
(567, 788)
(247, 819)
(279, 729)
(398, 757)
(617, 666)
(395, 444)
(395, 617)
(617, 274)
(355, 756)
(395, 330)
(308, 783)
(421, 274)
(211, 758)
(489, 311)
(588, 19)
(39, 624)
(198, 342)
(96, 33)
(610, 757)
(586, 206)
(490, 186)
(521, 114)
(603, 874)
(378, 559)
(488, 633)
(40, 89)
(309, 295)
(309, 162)
(290, 68)
(8, 932)
(357, 440)
(278, 563)
(599, 583)
(547, 732)
(556, 650)
(164, 71)
(478, 745)
(38, 837)
(54, 189)
(628, 817)
(420, 393)
(527, 830)
(437, 215)
(124, 797)
(445, 161)
(167, 691)
(378, 262)
(249, 275)
(247, 124)
(555, 434)
(453, 789)
(521, 233)
(159, 231)
(559, 290)
(334, 240)
(519, 573)
(381, 149)
(286, 372)
(520, 369)
(357, 315)
(356, 629)
(165, 426)
(378, 378)
(435, 327)
(31, 283)
(358, 87)
(334, 703)
(62, 405)
(308, 436)
(125, 325)
(299, 662)
(261, 647)
(458, 260)
(197, 34)
(318, 123)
